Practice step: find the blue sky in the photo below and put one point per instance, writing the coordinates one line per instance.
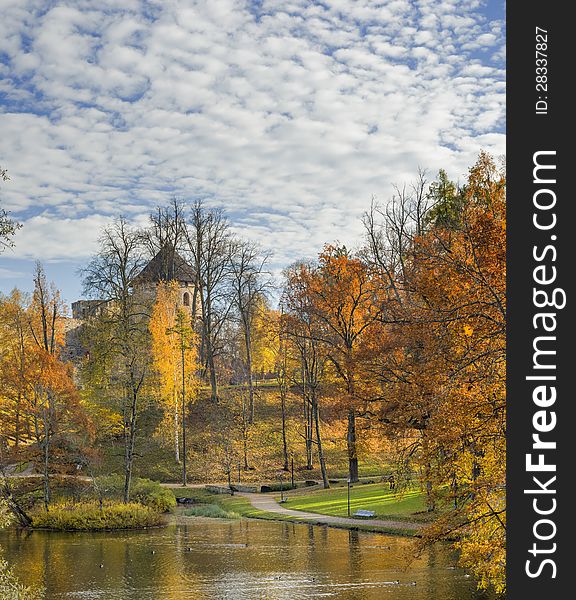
(290, 114)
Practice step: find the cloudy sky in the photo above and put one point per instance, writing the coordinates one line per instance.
(290, 114)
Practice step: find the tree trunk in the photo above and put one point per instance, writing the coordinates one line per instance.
(129, 443)
(308, 434)
(46, 419)
(184, 472)
(17, 423)
(245, 434)
(284, 443)
(207, 339)
(176, 430)
(212, 372)
(46, 463)
(249, 374)
(319, 442)
(21, 516)
(351, 444)
(184, 449)
(430, 502)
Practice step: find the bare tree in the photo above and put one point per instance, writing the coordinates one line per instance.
(208, 239)
(167, 233)
(109, 277)
(249, 285)
(391, 229)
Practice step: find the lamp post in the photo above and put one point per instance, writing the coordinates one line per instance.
(348, 496)
(292, 469)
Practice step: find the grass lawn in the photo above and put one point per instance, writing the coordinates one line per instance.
(242, 507)
(375, 497)
(232, 504)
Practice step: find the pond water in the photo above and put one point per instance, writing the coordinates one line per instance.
(240, 560)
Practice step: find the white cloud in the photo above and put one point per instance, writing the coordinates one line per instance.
(47, 238)
(307, 108)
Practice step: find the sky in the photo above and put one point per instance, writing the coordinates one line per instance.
(290, 115)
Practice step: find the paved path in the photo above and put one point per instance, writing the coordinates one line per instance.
(267, 503)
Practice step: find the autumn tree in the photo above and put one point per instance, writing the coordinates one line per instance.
(41, 415)
(53, 391)
(460, 275)
(444, 376)
(174, 351)
(280, 346)
(340, 295)
(117, 337)
(304, 329)
(17, 369)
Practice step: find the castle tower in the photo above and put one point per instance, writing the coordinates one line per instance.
(167, 265)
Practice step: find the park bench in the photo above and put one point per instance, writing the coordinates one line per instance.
(365, 514)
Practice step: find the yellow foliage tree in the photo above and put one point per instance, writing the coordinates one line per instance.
(175, 356)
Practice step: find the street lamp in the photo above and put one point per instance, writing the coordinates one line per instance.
(348, 480)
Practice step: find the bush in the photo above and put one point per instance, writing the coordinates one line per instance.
(147, 492)
(152, 494)
(90, 516)
(276, 487)
(210, 510)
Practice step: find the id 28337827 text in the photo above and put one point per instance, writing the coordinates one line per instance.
(541, 72)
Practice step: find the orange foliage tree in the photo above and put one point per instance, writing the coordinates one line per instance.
(42, 416)
(444, 376)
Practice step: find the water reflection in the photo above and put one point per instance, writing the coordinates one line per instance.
(240, 560)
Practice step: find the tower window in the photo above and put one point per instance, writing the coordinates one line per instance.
(186, 299)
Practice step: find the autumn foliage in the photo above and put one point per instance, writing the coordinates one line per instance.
(391, 354)
(446, 378)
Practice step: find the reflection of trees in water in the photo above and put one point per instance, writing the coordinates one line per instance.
(285, 535)
(214, 560)
(311, 545)
(354, 554)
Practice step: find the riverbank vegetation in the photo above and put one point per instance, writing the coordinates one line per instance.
(96, 516)
(84, 504)
(190, 362)
(214, 511)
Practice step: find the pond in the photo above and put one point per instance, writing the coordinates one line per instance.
(240, 560)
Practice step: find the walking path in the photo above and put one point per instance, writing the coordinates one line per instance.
(268, 504)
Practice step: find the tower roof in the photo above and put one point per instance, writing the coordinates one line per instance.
(167, 265)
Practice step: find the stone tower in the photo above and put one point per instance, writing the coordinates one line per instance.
(166, 266)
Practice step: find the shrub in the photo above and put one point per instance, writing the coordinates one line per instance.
(147, 492)
(90, 516)
(276, 487)
(152, 494)
(210, 510)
